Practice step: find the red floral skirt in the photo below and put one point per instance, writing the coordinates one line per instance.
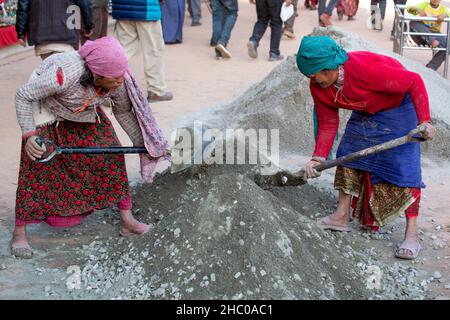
(69, 187)
(348, 7)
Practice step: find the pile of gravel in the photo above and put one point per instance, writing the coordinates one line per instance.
(219, 236)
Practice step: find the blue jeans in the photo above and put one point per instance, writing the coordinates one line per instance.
(328, 9)
(195, 10)
(224, 14)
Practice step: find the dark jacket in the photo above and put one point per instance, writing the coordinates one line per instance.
(141, 10)
(45, 21)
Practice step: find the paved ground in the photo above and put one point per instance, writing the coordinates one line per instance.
(198, 81)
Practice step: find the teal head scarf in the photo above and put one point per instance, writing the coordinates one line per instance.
(317, 53)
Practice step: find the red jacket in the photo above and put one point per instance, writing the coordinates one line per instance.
(372, 83)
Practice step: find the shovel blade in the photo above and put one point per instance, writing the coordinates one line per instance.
(174, 168)
(191, 152)
(279, 179)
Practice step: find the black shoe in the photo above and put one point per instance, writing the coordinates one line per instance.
(196, 23)
(275, 57)
(153, 97)
(251, 46)
(218, 54)
(428, 65)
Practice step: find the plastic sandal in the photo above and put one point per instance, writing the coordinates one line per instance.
(411, 244)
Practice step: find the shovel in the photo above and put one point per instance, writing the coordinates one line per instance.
(53, 150)
(287, 178)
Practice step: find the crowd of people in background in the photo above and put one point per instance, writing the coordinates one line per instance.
(149, 25)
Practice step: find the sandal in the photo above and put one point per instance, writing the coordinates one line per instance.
(325, 224)
(411, 244)
(138, 229)
(21, 250)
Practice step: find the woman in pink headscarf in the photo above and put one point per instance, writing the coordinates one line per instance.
(62, 102)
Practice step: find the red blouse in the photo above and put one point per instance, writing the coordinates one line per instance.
(372, 83)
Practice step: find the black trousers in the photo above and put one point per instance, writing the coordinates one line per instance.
(268, 11)
(402, 11)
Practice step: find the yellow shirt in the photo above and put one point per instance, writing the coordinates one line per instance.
(431, 12)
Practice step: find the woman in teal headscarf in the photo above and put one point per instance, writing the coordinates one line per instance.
(387, 102)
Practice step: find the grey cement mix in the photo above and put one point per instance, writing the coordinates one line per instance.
(219, 236)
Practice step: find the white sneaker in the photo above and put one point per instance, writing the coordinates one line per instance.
(252, 50)
(224, 51)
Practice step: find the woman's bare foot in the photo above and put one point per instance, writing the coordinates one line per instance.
(19, 245)
(339, 219)
(131, 226)
(137, 228)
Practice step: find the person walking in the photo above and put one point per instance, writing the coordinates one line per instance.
(397, 2)
(195, 11)
(224, 14)
(172, 20)
(138, 26)
(100, 17)
(378, 12)
(268, 12)
(348, 8)
(39, 24)
(288, 29)
(326, 11)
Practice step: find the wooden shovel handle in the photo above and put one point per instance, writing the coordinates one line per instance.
(411, 137)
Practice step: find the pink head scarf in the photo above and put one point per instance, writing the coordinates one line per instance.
(105, 57)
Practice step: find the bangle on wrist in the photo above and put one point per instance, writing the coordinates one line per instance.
(318, 159)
